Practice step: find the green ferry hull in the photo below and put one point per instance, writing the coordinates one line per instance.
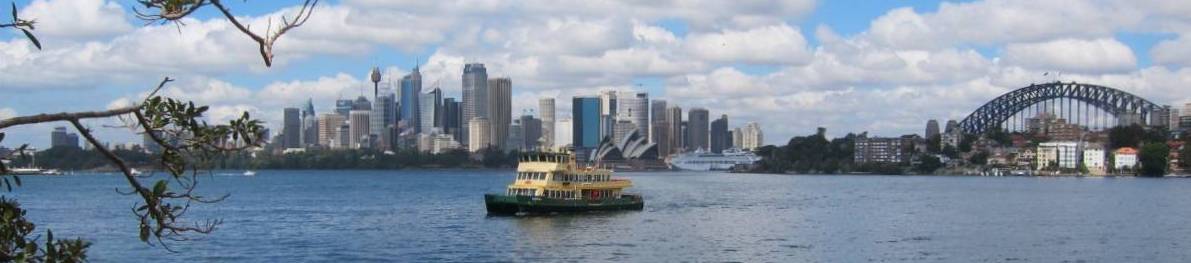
(509, 205)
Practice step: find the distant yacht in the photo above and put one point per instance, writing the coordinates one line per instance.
(700, 160)
(249, 173)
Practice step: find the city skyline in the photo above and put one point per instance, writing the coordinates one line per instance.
(885, 69)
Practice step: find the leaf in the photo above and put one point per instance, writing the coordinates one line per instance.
(14, 12)
(17, 179)
(1, 136)
(32, 38)
(159, 187)
(144, 234)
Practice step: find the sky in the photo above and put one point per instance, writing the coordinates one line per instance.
(882, 67)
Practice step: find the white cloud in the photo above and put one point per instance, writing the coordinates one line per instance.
(779, 44)
(1175, 52)
(6, 113)
(1073, 55)
(1002, 21)
(75, 19)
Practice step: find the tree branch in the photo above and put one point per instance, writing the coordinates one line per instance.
(266, 42)
(66, 116)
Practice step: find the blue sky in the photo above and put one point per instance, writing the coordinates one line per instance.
(885, 67)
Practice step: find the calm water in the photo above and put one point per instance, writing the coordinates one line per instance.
(282, 216)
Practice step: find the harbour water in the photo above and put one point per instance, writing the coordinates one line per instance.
(416, 216)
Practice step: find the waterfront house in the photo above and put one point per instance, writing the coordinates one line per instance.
(1124, 158)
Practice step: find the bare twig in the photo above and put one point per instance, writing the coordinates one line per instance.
(266, 42)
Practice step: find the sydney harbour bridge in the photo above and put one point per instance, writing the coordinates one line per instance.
(1092, 106)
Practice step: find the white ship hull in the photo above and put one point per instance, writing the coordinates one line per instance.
(700, 161)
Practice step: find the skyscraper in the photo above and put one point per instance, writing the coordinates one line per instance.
(516, 139)
(411, 90)
(546, 110)
(659, 127)
(309, 124)
(431, 111)
(531, 132)
(291, 128)
(500, 107)
(475, 97)
(586, 118)
(720, 139)
(562, 132)
(608, 105)
(634, 108)
(752, 137)
(343, 107)
(452, 119)
(60, 138)
(675, 132)
(932, 129)
(737, 138)
(360, 129)
(328, 128)
(479, 134)
(697, 134)
(382, 116)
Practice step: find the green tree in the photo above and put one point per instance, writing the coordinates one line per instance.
(928, 165)
(165, 199)
(1153, 159)
(979, 158)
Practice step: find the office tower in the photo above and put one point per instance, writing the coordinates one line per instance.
(562, 132)
(516, 139)
(737, 138)
(475, 97)
(674, 131)
(697, 134)
(60, 138)
(452, 119)
(291, 129)
(431, 112)
(752, 138)
(500, 107)
(546, 110)
(952, 127)
(343, 107)
(719, 136)
(328, 128)
(622, 129)
(634, 108)
(383, 115)
(411, 91)
(344, 134)
(531, 132)
(361, 103)
(309, 125)
(657, 114)
(360, 128)
(659, 128)
(608, 105)
(932, 129)
(479, 137)
(586, 119)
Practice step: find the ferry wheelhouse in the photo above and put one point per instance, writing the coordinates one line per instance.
(554, 182)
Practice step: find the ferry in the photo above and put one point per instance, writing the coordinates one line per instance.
(700, 160)
(554, 183)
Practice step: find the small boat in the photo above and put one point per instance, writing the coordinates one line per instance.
(249, 173)
(554, 183)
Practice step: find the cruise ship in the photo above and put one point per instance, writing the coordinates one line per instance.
(700, 160)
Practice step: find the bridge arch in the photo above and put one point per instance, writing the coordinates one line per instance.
(1116, 102)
